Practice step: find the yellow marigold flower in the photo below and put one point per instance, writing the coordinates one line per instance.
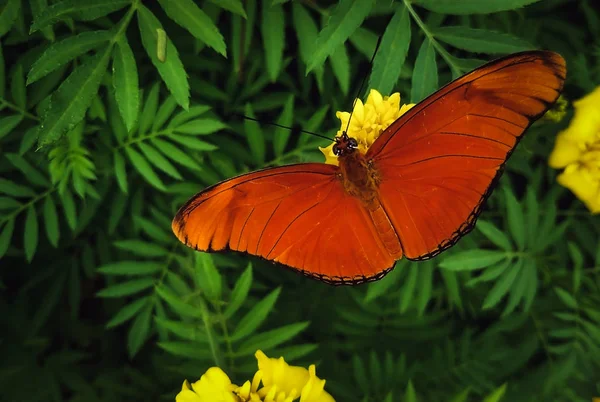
(368, 121)
(577, 150)
(281, 383)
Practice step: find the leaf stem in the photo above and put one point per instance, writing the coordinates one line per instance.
(18, 109)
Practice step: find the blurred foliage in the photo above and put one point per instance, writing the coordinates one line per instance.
(114, 112)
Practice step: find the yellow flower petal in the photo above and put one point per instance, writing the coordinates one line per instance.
(566, 151)
(314, 391)
(213, 386)
(277, 372)
(583, 185)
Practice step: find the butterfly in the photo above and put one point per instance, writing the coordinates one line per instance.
(415, 192)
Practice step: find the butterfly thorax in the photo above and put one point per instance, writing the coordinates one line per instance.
(358, 175)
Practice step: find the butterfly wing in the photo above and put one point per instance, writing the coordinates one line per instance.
(440, 161)
(297, 215)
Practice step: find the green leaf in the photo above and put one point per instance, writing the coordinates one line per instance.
(498, 393)
(8, 124)
(502, 285)
(270, 339)
(186, 331)
(125, 83)
(159, 161)
(282, 135)
(255, 316)
(69, 207)
(85, 11)
(31, 234)
(239, 293)
(364, 41)
(425, 73)
(425, 287)
(154, 230)
(16, 190)
(200, 127)
(9, 15)
(17, 87)
(187, 14)
(37, 7)
(494, 234)
(139, 331)
(175, 154)
(9, 203)
(409, 288)
(392, 52)
(187, 115)
(340, 64)
(235, 6)
(514, 214)
(472, 259)
(71, 100)
(254, 136)
(141, 248)
(480, 40)
(142, 166)
(378, 288)
(150, 109)
(126, 288)
(187, 350)
(344, 20)
(171, 70)
(165, 111)
(566, 297)
(208, 277)
(177, 304)
(120, 172)
(127, 312)
(273, 35)
(6, 235)
(64, 51)
(31, 173)
(577, 258)
(193, 142)
(2, 74)
(51, 221)
(131, 268)
(410, 395)
(306, 30)
(464, 7)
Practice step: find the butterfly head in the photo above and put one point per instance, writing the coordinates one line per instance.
(344, 145)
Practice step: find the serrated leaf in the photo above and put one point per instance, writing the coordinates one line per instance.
(6, 235)
(281, 136)
(193, 142)
(514, 214)
(364, 41)
(32, 174)
(126, 288)
(208, 277)
(69, 207)
(171, 70)
(139, 331)
(131, 268)
(141, 248)
(64, 51)
(340, 64)
(239, 293)
(273, 36)
(71, 100)
(127, 312)
(177, 304)
(566, 297)
(31, 234)
(8, 124)
(472, 259)
(392, 52)
(16, 190)
(17, 87)
(9, 15)
(159, 161)
(494, 234)
(175, 154)
(120, 172)
(481, 40)
(126, 83)
(464, 7)
(187, 115)
(502, 285)
(235, 6)
(85, 11)
(51, 221)
(425, 73)
(270, 339)
(150, 109)
(188, 15)
(165, 111)
(347, 16)
(141, 165)
(200, 127)
(254, 136)
(188, 350)
(255, 316)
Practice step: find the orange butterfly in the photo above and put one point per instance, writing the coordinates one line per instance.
(418, 189)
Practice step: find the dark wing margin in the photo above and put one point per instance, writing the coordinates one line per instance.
(440, 161)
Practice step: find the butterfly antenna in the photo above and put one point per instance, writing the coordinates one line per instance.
(362, 84)
(289, 128)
